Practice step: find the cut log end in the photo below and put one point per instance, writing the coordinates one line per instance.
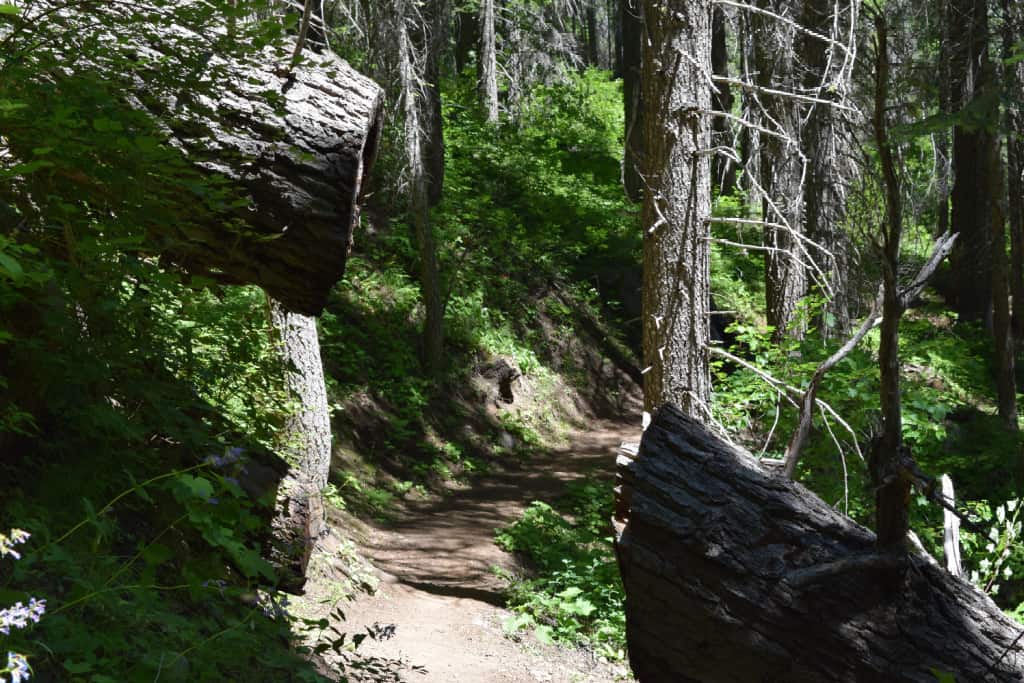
(732, 574)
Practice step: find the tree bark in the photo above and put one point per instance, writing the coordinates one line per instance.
(419, 209)
(1006, 382)
(971, 76)
(723, 168)
(593, 38)
(299, 157)
(824, 144)
(677, 203)
(488, 62)
(733, 575)
(306, 442)
(750, 137)
(891, 491)
(1013, 25)
(632, 96)
(429, 37)
(782, 171)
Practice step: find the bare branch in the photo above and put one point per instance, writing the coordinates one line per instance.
(785, 20)
(780, 93)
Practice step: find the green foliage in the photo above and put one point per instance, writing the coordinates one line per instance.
(575, 594)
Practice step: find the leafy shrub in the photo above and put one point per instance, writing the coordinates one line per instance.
(575, 594)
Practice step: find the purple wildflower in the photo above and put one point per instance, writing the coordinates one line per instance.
(7, 543)
(17, 667)
(20, 615)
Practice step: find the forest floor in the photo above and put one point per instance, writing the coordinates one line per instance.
(435, 562)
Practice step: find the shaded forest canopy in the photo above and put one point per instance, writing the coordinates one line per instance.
(800, 223)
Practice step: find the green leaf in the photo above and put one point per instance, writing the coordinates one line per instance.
(544, 634)
(77, 667)
(10, 267)
(197, 486)
(156, 554)
(570, 593)
(9, 10)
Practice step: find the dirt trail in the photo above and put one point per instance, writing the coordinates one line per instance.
(438, 588)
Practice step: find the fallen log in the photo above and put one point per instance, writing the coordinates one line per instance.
(289, 140)
(735, 574)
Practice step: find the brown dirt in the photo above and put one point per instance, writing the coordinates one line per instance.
(437, 586)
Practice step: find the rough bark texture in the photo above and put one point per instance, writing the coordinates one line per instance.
(824, 144)
(723, 168)
(677, 203)
(632, 42)
(782, 170)
(487, 62)
(419, 201)
(728, 578)
(295, 140)
(971, 76)
(306, 441)
(300, 156)
(1014, 85)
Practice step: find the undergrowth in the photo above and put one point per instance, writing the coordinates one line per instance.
(574, 592)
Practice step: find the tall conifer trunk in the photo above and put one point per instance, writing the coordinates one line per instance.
(782, 171)
(419, 207)
(632, 95)
(487, 62)
(306, 441)
(677, 203)
(971, 78)
(723, 168)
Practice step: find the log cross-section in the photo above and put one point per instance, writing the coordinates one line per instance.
(294, 139)
(733, 574)
(302, 158)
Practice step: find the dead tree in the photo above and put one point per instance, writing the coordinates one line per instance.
(733, 574)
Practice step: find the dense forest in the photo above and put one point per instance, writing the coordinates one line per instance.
(511, 340)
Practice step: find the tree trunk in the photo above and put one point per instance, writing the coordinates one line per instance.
(1006, 382)
(487, 65)
(467, 38)
(632, 96)
(892, 492)
(750, 137)
(971, 76)
(824, 145)
(306, 442)
(428, 39)
(616, 9)
(733, 575)
(782, 172)
(299, 157)
(593, 38)
(677, 203)
(723, 168)
(1013, 25)
(419, 209)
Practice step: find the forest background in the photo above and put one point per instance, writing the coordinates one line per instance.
(500, 229)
